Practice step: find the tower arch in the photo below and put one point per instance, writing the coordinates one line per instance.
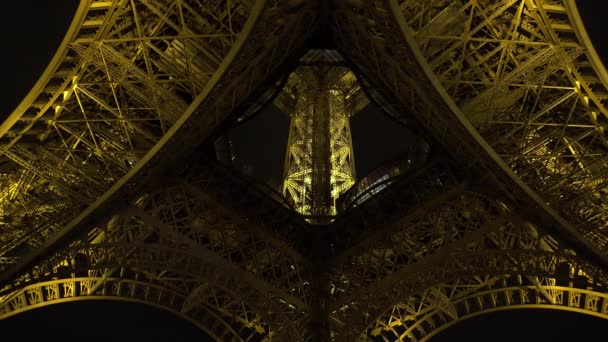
(68, 290)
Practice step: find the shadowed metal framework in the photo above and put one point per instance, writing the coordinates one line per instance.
(110, 187)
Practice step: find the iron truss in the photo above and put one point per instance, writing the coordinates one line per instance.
(108, 190)
(319, 89)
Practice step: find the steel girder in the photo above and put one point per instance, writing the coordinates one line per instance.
(107, 288)
(319, 164)
(92, 110)
(118, 41)
(504, 87)
(378, 39)
(413, 193)
(525, 75)
(409, 85)
(510, 256)
(196, 252)
(470, 237)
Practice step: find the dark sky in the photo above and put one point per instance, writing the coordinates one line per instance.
(31, 33)
(260, 143)
(33, 29)
(100, 320)
(526, 326)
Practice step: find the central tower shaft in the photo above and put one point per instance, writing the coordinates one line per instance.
(319, 163)
(321, 203)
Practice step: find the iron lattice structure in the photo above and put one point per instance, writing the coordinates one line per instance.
(319, 166)
(110, 188)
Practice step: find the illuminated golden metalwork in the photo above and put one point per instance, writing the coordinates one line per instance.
(319, 164)
(107, 189)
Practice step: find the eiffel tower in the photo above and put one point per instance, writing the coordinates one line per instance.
(118, 181)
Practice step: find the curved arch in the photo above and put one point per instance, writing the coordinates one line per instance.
(518, 250)
(434, 320)
(199, 111)
(250, 303)
(420, 88)
(566, 290)
(90, 288)
(556, 56)
(161, 142)
(525, 271)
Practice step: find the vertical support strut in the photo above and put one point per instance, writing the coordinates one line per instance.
(321, 199)
(319, 163)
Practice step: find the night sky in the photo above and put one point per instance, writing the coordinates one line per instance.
(33, 29)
